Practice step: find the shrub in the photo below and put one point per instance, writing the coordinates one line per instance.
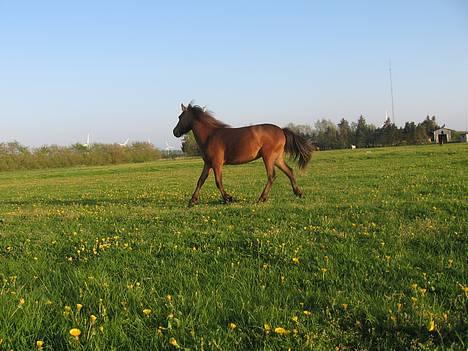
(15, 156)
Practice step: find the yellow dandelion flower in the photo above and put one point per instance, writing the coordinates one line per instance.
(22, 301)
(431, 325)
(414, 286)
(295, 319)
(232, 326)
(266, 327)
(101, 329)
(169, 298)
(39, 344)
(92, 318)
(66, 311)
(146, 311)
(173, 342)
(323, 269)
(295, 260)
(79, 306)
(345, 306)
(281, 331)
(75, 332)
(307, 313)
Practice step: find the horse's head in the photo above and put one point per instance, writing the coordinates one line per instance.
(185, 121)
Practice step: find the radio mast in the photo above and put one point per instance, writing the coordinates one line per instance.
(391, 89)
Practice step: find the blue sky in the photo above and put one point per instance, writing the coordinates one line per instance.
(120, 69)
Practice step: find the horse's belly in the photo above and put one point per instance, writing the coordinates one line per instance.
(241, 159)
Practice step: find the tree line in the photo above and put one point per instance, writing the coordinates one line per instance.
(327, 135)
(14, 156)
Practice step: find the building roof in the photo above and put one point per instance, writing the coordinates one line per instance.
(451, 130)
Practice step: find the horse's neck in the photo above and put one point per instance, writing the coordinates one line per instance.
(202, 133)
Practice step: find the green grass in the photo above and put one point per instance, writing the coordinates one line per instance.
(371, 257)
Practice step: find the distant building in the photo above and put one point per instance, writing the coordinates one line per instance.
(442, 135)
(464, 138)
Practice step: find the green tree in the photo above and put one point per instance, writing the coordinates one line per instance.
(430, 125)
(326, 134)
(388, 135)
(190, 146)
(409, 132)
(421, 136)
(302, 129)
(361, 132)
(344, 134)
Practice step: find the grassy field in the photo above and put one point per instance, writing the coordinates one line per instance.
(374, 256)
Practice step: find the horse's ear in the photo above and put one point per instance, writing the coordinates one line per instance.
(183, 107)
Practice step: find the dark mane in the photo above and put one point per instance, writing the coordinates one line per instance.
(206, 116)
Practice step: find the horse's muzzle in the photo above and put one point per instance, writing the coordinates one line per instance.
(176, 133)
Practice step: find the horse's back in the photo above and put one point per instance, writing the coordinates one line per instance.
(270, 133)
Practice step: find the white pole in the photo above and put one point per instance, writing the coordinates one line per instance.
(391, 90)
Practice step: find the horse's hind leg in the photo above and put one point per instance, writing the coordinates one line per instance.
(271, 175)
(219, 183)
(201, 181)
(281, 164)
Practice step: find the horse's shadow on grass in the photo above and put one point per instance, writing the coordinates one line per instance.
(220, 202)
(80, 202)
(124, 202)
(141, 202)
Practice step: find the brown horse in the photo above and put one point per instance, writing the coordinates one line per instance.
(221, 145)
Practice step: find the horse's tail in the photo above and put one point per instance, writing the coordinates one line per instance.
(298, 147)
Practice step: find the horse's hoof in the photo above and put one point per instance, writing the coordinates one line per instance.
(298, 193)
(192, 203)
(261, 200)
(228, 199)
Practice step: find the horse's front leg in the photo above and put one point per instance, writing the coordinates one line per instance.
(196, 194)
(219, 183)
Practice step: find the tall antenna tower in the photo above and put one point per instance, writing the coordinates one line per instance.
(391, 89)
